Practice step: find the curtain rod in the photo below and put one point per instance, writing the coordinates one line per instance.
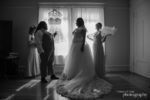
(72, 4)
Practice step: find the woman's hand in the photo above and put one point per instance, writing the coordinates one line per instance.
(108, 35)
(82, 48)
(90, 37)
(55, 33)
(103, 38)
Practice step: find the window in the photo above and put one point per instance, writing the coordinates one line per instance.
(62, 20)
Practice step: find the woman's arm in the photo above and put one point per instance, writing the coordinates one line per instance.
(74, 32)
(83, 35)
(38, 41)
(30, 40)
(55, 34)
(104, 37)
(91, 37)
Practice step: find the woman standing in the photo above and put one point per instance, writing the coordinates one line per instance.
(98, 50)
(79, 80)
(33, 57)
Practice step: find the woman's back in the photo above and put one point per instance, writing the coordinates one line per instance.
(78, 37)
(98, 38)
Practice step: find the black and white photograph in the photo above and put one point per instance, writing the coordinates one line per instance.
(74, 50)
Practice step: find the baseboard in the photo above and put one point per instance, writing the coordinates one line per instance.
(115, 68)
(108, 68)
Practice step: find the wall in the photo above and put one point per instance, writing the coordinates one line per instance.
(118, 46)
(25, 13)
(140, 47)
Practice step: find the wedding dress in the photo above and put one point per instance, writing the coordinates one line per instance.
(79, 80)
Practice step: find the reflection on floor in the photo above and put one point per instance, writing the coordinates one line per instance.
(126, 86)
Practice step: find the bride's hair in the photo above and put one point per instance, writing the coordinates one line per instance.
(80, 22)
(41, 25)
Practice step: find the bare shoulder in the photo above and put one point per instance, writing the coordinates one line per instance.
(81, 29)
(39, 33)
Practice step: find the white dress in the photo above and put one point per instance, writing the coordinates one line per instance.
(79, 80)
(33, 58)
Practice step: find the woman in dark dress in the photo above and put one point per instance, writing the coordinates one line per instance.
(98, 50)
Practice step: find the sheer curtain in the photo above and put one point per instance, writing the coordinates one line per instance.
(61, 40)
(91, 16)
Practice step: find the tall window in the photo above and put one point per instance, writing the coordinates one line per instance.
(62, 20)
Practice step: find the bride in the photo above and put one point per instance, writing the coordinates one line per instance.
(79, 80)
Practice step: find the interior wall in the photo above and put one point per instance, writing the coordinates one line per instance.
(140, 42)
(25, 13)
(118, 46)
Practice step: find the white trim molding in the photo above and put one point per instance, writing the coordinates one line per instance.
(115, 68)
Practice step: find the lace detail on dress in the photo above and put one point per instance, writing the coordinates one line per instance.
(64, 77)
(78, 38)
(92, 90)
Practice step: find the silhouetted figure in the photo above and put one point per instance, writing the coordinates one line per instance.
(79, 79)
(45, 44)
(33, 57)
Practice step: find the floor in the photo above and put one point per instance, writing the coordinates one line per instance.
(126, 86)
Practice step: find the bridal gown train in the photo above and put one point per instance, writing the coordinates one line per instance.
(79, 80)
